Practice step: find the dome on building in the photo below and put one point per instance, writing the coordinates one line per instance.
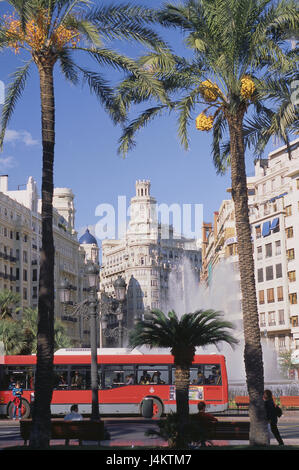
(87, 239)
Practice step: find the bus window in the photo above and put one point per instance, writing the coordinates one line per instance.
(153, 374)
(81, 378)
(204, 374)
(116, 376)
(212, 374)
(60, 377)
(22, 374)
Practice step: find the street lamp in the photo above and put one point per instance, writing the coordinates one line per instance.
(92, 272)
(120, 295)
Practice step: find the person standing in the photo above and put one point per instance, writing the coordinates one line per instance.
(271, 415)
(17, 392)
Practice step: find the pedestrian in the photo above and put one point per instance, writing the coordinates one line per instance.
(205, 421)
(74, 414)
(271, 415)
(17, 392)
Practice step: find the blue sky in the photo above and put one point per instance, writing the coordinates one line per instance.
(86, 157)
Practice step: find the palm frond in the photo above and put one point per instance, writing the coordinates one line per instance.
(12, 95)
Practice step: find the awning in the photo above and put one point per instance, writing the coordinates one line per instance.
(275, 223)
(266, 228)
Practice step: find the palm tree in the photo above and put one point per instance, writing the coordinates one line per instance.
(237, 45)
(8, 303)
(182, 336)
(52, 32)
(29, 326)
(11, 334)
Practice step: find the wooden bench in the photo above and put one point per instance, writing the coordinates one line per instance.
(60, 429)
(289, 401)
(223, 430)
(241, 401)
(230, 430)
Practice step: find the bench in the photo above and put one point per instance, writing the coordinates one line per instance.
(289, 401)
(242, 401)
(230, 430)
(60, 429)
(223, 430)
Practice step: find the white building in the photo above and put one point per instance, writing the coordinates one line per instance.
(273, 194)
(20, 245)
(145, 259)
(274, 215)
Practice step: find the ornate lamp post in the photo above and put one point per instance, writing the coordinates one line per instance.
(120, 295)
(88, 307)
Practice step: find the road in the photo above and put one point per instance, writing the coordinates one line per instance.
(131, 432)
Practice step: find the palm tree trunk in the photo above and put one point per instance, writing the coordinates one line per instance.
(41, 428)
(253, 350)
(182, 380)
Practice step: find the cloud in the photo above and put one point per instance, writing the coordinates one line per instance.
(12, 136)
(7, 162)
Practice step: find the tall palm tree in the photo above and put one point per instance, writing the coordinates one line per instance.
(237, 45)
(53, 32)
(182, 336)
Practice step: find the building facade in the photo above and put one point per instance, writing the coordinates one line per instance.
(20, 245)
(273, 198)
(148, 257)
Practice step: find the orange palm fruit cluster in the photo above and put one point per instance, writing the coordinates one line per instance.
(36, 33)
(209, 91)
(247, 87)
(204, 122)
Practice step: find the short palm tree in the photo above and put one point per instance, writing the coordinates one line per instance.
(55, 32)
(182, 336)
(8, 303)
(12, 336)
(237, 45)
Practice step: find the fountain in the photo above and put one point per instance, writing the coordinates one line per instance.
(223, 294)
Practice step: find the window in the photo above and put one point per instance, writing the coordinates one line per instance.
(271, 319)
(270, 295)
(152, 374)
(288, 210)
(24, 274)
(278, 270)
(12, 374)
(260, 275)
(279, 294)
(294, 321)
(289, 232)
(269, 273)
(291, 254)
(261, 297)
(268, 250)
(297, 182)
(258, 232)
(293, 298)
(292, 276)
(277, 248)
(204, 374)
(262, 319)
(259, 252)
(281, 317)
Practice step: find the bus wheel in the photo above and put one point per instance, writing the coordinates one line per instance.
(25, 409)
(157, 408)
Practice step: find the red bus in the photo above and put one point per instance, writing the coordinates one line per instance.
(126, 380)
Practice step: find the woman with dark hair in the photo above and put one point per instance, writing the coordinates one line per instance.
(271, 414)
